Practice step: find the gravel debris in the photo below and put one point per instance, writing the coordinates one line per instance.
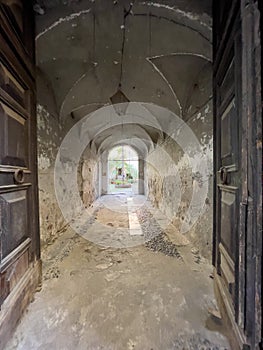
(52, 272)
(194, 342)
(195, 251)
(51, 268)
(155, 238)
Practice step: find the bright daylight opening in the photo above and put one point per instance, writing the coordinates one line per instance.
(123, 170)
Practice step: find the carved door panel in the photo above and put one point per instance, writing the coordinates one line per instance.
(19, 235)
(237, 96)
(227, 124)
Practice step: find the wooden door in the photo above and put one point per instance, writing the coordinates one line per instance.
(227, 80)
(19, 233)
(237, 168)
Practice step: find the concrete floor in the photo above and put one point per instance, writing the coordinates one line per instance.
(99, 297)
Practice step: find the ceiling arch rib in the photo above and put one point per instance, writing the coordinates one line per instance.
(83, 68)
(137, 144)
(188, 75)
(137, 115)
(124, 134)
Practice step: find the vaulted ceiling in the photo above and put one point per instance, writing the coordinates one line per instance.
(154, 52)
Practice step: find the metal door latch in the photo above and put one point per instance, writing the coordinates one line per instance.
(223, 175)
(19, 176)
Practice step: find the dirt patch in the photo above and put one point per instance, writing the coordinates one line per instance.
(112, 218)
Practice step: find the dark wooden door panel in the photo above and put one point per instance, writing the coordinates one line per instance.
(19, 232)
(229, 136)
(227, 128)
(14, 219)
(11, 86)
(14, 12)
(14, 137)
(229, 211)
(237, 168)
(17, 29)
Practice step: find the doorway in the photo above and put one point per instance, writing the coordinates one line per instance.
(123, 170)
(74, 56)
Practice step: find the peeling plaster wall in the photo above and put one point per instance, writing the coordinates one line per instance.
(51, 132)
(170, 183)
(49, 137)
(162, 51)
(88, 177)
(202, 232)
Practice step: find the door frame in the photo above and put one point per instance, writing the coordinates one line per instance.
(20, 268)
(246, 320)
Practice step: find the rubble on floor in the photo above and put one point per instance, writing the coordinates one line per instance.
(105, 298)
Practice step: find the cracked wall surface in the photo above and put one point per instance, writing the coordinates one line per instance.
(88, 177)
(49, 137)
(170, 188)
(156, 52)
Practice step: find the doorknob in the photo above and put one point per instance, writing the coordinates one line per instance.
(19, 176)
(223, 175)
